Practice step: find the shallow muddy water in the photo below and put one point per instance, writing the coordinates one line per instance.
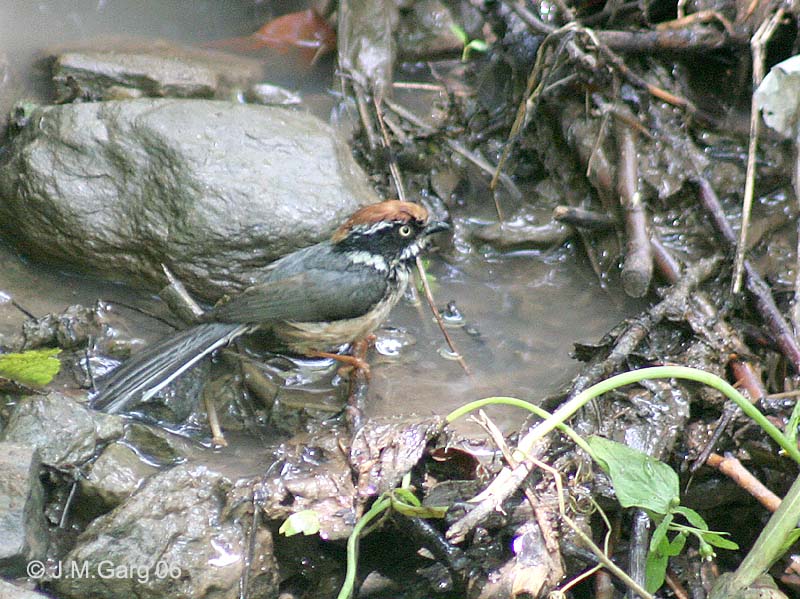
(521, 312)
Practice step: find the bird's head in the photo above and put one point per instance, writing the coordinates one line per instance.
(386, 234)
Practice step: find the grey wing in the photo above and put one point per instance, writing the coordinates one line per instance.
(312, 296)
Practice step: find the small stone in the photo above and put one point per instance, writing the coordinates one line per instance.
(116, 474)
(65, 432)
(22, 524)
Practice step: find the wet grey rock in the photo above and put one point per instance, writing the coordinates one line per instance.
(12, 591)
(156, 445)
(213, 190)
(115, 475)
(22, 524)
(178, 538)
(65, 432)
(158, 70)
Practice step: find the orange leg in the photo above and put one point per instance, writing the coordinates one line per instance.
(357, 362)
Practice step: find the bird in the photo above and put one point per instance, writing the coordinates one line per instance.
(313, 300)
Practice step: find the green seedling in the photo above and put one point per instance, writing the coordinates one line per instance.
(468, 44)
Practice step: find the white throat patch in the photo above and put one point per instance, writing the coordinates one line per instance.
(412, 251)
(376, 261)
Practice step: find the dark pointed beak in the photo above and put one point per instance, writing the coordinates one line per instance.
(436, 226)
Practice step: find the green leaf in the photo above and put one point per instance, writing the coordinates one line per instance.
(638, 479)
(459, 32)
(676, 544)
(36, 367)
(693, 517)
(420, 511)
(405, 496)
(305, 521)
(655, 570)
(715, 539)
(660, 533)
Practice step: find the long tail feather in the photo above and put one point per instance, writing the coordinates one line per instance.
(158, 365)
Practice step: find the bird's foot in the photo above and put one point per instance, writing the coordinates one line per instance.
(350, 363)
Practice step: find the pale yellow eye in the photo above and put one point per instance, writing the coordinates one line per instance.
(406, 231)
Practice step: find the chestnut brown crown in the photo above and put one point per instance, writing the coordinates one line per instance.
(387, 211)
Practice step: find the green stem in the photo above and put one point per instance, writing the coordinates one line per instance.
(525, 405)
(634, 376)
(381, 504)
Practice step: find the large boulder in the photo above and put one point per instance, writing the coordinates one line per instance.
(213, 190)
(179, 537)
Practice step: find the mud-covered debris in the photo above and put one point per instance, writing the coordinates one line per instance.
(311, 472)
(385, 449)
(69, 329)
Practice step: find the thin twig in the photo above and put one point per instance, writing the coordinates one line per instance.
(387, 144)
(431, 87)
(758, 288)
(757, 46)
(369, 130)
(605, 560)
(217, 436)
(478, 161)
(703, 16)
(432, 303)
(19, 307)
(733, 468)
(675, 586)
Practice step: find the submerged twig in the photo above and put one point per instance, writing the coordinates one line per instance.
(582, 218)
(510, 234)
